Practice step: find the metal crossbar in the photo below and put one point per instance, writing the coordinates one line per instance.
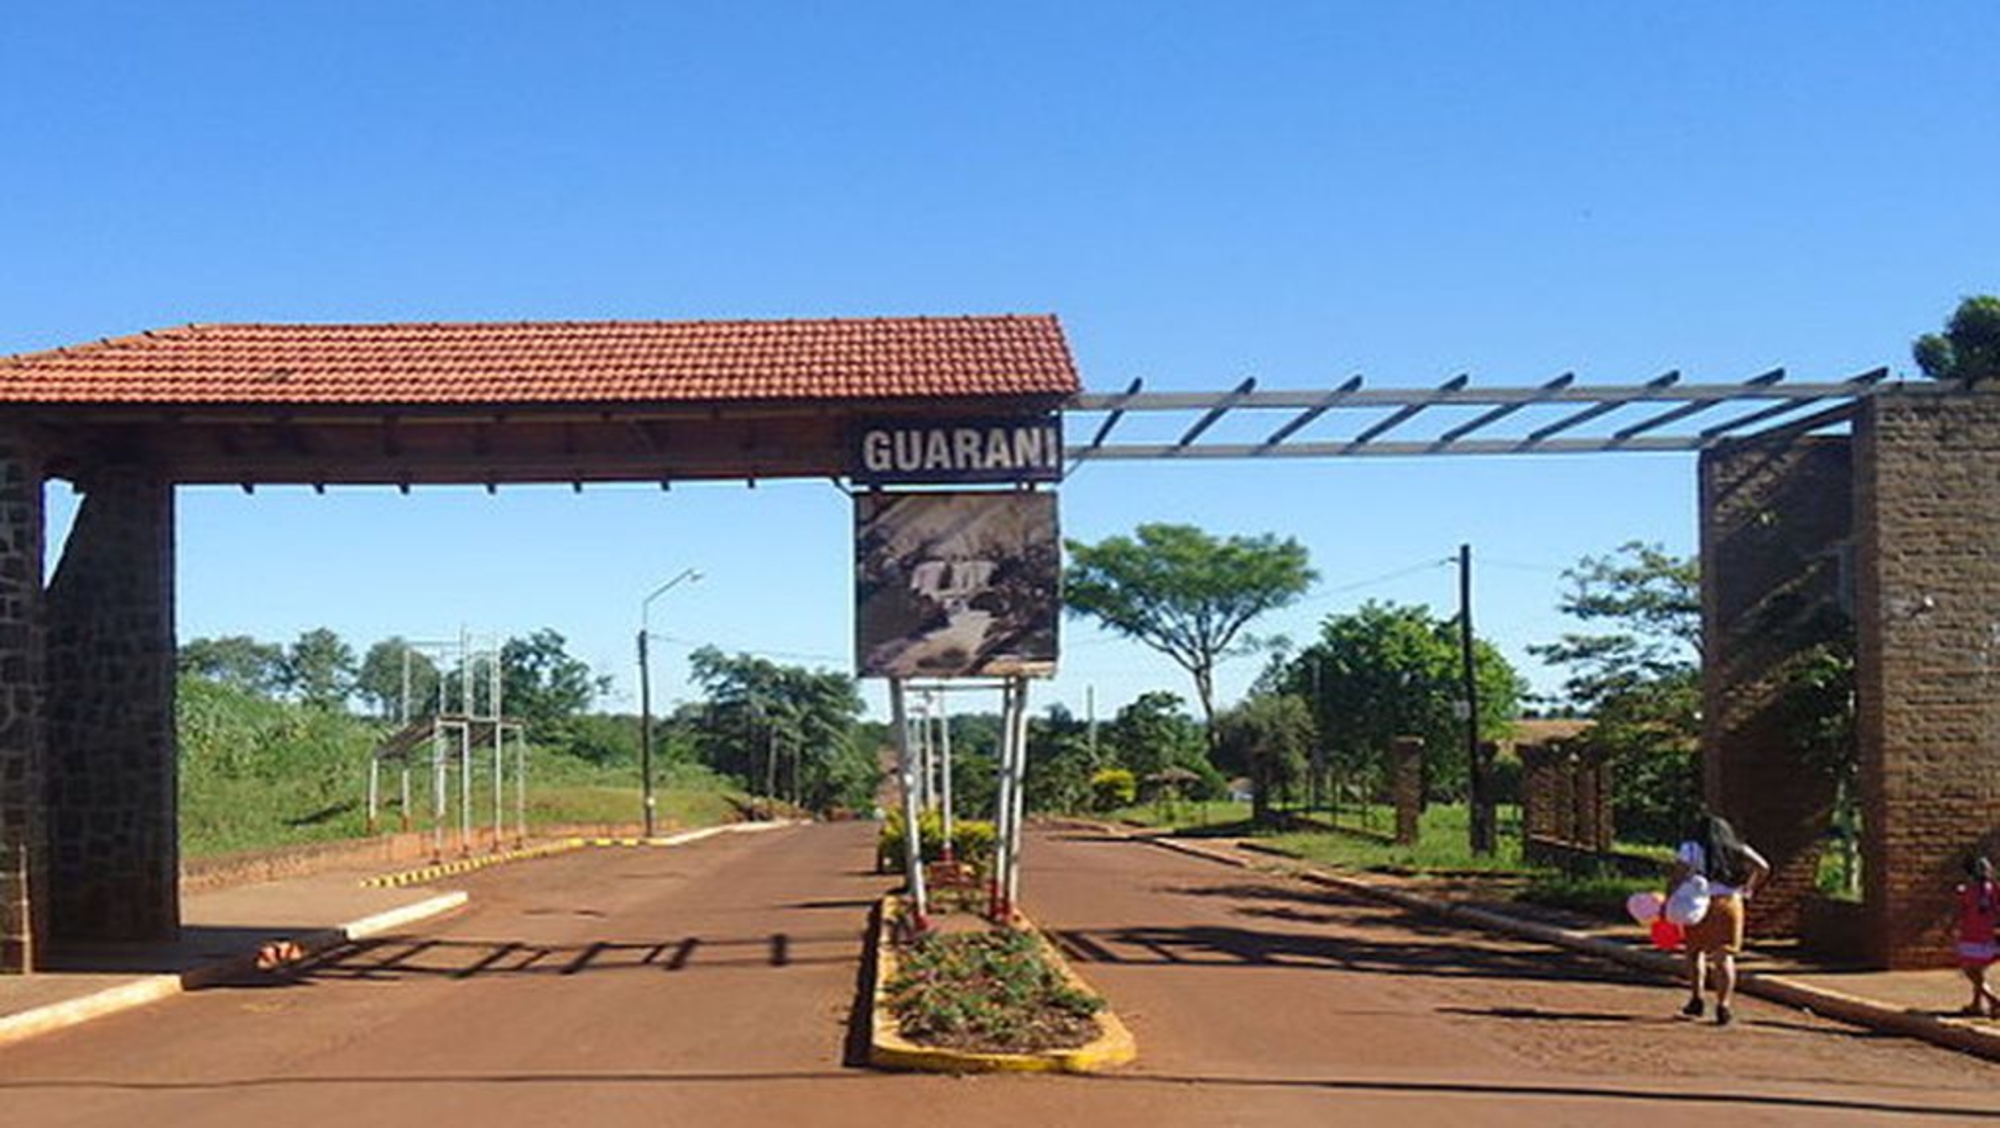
(1652, 433)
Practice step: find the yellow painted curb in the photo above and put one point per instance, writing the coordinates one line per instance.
(888, 1049)
(432, 872)
(466, 865)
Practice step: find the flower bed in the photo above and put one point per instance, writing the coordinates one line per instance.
(991, 992)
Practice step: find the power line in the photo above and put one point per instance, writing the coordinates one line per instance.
(1372, 581)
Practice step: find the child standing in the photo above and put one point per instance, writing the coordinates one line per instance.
(1978, 922)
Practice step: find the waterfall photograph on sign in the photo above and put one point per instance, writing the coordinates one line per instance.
(956, 584)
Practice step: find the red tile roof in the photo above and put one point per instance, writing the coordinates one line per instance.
(554, 362)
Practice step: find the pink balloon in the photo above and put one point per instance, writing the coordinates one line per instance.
(1645, 907)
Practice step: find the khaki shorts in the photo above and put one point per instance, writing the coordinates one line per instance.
(1721, 930)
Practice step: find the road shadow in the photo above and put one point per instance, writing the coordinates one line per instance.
(397, 959)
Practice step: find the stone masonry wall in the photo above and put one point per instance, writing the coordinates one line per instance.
(109, 708)
(1774, 520)
(23, 862)
(1928, 523)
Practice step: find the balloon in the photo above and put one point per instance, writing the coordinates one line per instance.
(1645, 907)
(1689, 903)
(1667, 935)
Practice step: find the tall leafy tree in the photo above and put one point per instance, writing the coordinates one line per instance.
(1152, 734)
(1387, 670)
(1635, 672)
(1969, 348)
(235, 660)
(319, 669)
(1185, 593)
(1267, 738)
(779, 728)
(544, 684)
(380, 679)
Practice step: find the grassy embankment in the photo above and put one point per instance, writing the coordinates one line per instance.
(257, 774)
(1443, 848)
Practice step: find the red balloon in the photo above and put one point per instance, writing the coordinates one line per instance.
(1667, 935)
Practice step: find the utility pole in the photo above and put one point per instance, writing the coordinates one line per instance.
(646, 699)
(1481, 822)
(646, 734)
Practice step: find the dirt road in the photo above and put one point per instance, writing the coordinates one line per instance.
(713, 984)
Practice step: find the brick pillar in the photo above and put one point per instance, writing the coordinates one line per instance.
(109, 707)
(1927, 464)
(1534, 789)
(23, 858)
(1562, 826)
(1409, 787)
(1603, 824)
(1774, 519)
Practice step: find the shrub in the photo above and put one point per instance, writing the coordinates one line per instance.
(1112, 788)
(971, 841)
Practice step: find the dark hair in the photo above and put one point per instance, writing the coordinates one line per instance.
(1726, 860)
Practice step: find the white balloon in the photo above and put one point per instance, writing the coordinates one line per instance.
(1689, 903)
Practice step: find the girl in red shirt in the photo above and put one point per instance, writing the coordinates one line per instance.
(1978, 922)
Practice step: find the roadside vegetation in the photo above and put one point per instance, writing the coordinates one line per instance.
(275, 740)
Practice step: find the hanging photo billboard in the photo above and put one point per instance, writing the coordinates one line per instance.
(956, 584)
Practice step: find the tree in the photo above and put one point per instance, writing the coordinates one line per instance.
(1185, 593)
(319, 669)
(380, 681)
(543, 684)
(1638, 680)
(1266, 738)
(1968, 350)
(781, 729)
(235, 660)
(1152, 735)
(1387, 670)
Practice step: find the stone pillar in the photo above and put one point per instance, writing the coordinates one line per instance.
(1409, 787)
(1775, 519)
(109, 708)
(1927, 464)
(23, 857)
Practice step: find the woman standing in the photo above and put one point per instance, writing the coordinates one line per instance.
(1733, 871)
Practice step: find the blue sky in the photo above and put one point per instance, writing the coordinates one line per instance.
(1202, 192)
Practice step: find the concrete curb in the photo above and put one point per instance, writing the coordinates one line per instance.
(425, 874)
(1778, 988)
(888, 1049)
(276, 953)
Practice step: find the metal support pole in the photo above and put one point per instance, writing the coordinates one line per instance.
(1003, 808)
(404, 810)
(944, 760)
(374, 791)
(438, 789)
(1020, 791)
(913, 851)
(499, 751)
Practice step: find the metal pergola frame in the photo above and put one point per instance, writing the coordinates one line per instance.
(1660, 431)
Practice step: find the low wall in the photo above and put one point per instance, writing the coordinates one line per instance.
(223, 870)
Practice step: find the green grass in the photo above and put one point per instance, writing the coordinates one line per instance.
(257, 774)
(1187, 815)
(1443, 845)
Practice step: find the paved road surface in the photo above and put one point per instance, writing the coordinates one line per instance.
(712, 984)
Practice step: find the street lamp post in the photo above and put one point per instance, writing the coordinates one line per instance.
(646, 697)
